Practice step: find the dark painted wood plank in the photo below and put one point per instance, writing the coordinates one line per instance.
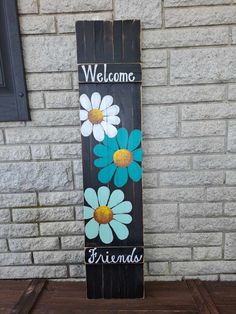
(85, 41)
(117, 41)
(94, 276)
(114, 280)
(100, 54)
(108, 41)
(29, 297)
(80, 36)
(2, 77)
(123, 281)
(131, 41)
(89, 37)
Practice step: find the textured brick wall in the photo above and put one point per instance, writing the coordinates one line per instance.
(189, 123)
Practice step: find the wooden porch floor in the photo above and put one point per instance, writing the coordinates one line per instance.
(186, 297)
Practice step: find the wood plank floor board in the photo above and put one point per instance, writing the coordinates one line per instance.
(222, 296)
(178, 299)
(80, 308)
(161, 298)
(114, 312)
(148, 304)
(226, 309)
(13, 284)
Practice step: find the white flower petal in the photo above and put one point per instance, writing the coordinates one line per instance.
(86, 128)
(112, 120)
(95, 100)
(92, 229)
(98, 132)
(103, 195)
(83, 115)
(111, 111)
(116, 198)
(109, 129)
(88, 212)
(105, 233)
(123, 218)
(91, 198)
(122, 208)
(106, 102)
(85, 102)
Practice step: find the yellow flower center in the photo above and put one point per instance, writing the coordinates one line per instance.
(103, 214)
(95, 116)
(122, 158)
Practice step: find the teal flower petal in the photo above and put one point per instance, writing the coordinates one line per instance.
(103, 195)
(91, 197)
(116, 197)
(122, 138)
(106, 173)
(111, 143)
(134, 139)
(120, 230)
(135, 171)
(102, 151)
(122, 208)
(103, 162)
(121, 177)
(105, 233)
(88, 212)
(138, 154)
(91, 229)
(123, 218)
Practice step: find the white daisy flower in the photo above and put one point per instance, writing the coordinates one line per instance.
(99, 116)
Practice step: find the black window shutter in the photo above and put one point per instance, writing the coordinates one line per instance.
(13, 97)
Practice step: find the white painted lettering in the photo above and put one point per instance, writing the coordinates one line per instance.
(91, 74)
(131, 77)
(108, 258)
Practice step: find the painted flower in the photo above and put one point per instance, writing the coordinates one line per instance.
(120, 156)
(107, 214)
(99, 116)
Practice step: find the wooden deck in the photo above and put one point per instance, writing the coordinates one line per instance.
(186, 297)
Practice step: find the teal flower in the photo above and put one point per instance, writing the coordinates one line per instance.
(120, 156)
(107, 213)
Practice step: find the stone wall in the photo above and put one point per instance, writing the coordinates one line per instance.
(189, 124)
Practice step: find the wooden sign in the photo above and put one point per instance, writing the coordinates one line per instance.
(110, 99)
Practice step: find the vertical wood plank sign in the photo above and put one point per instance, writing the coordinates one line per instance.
(110, 111)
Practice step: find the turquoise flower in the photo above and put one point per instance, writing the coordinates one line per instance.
(119, 156)
(108, 213)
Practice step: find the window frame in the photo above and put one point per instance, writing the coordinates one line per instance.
(13, 99)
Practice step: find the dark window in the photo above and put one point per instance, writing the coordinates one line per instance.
(13, 97)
